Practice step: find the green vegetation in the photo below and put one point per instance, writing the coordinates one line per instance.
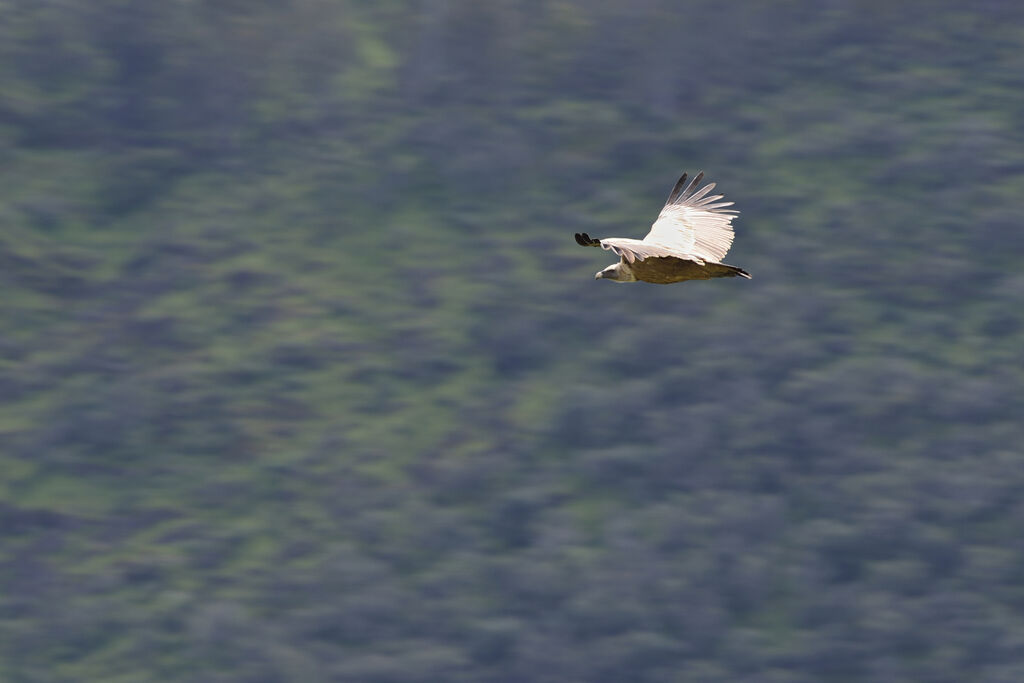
(303, 378)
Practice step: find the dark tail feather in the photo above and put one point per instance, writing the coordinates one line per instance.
(725, 270)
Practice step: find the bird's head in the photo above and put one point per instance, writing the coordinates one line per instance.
(615, 273)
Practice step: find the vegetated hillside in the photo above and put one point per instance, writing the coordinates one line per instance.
(303, 377)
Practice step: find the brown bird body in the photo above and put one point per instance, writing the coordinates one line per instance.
(665, 271)
(687, 242)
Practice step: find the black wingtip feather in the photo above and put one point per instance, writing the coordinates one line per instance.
(676, 189)
(692, 187)
(682, 190)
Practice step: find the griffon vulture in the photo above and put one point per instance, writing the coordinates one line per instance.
(687, 242)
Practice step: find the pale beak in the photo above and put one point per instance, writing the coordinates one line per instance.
(597, 275)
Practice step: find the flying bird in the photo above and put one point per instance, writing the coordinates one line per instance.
(687, 242)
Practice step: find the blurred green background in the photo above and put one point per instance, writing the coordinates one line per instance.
(303, 378)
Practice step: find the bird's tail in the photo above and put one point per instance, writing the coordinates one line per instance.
(725, 270)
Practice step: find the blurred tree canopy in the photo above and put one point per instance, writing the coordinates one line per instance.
(302, 377)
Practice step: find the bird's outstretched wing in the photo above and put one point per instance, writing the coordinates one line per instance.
(631, 250)
(692, 224)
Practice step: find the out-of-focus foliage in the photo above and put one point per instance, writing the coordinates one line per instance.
(302, 377)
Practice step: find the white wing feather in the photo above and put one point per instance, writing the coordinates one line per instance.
(633, 250)
(693, 225)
